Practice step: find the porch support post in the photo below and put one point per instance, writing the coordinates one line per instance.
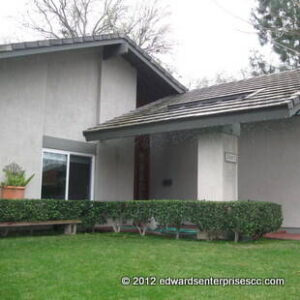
(218, 164)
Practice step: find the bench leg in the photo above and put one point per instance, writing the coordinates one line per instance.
(74, 228)
(70, 229)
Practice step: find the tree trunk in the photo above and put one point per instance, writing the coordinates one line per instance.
(116, 227)
(144, 231)
(139, 229)
(236, 236)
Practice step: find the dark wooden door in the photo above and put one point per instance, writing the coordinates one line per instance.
(142, 168)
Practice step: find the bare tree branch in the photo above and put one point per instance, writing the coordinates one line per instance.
(145, 23)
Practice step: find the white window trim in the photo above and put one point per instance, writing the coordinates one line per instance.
(68, 154)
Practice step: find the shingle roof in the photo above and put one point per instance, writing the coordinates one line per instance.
(256, 93)
(44, 46)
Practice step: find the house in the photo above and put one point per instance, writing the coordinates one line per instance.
(97, 118)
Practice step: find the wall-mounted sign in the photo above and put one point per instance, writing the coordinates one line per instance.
(231, 157)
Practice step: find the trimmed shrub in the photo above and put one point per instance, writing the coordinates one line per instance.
(44, 210)
(172, 213)
(210, 217)
(141, 213)
(243, 218)
(114, 211)
(253, 218)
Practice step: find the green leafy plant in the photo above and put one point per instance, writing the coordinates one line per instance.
(50, 209)
(15, 176)
(141, 212)
(242, 218)
(115, 212)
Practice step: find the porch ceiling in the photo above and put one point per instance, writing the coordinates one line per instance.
(261, 98)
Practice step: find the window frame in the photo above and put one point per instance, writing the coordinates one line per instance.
(68, 154)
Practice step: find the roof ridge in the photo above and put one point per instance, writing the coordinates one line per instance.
(277, 93)
(109, 35)
(245, 79)
(10, 47)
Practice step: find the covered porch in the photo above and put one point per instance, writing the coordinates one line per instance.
(229, 142)
(256, 161)
(191, 165)
(190, 158)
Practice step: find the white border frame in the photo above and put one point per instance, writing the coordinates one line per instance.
(68, 154)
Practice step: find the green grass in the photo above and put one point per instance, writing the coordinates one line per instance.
(90, 266)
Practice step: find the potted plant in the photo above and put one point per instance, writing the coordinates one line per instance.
(13, 186)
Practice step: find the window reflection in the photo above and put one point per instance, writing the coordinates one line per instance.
(54, 176)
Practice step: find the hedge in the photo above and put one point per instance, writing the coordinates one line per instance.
(241, 218)
(44, 210)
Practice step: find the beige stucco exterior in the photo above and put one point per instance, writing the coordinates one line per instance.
(269, 165)
(217, 177)
(174, 159)
(267, 168)
(194, 165)
(115, 158)
(59, 95)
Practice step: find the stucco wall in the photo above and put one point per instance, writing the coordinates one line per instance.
(173, 157)
(118, 88)
(58, 95)
(195, 165)
(230, 169)
(269, 165)
(115, 158)
(217, 178)
(71, 94)
(22, 86)
(115, 170)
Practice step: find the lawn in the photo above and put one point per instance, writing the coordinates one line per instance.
(90, 266)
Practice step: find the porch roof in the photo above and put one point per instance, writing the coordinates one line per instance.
(260, 98)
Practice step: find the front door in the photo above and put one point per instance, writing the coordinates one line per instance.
(142, 168)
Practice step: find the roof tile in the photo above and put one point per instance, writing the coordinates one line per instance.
(261, 92)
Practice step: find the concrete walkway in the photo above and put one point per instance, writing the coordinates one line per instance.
(283, 235)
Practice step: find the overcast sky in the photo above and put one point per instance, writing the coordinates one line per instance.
(212, 36)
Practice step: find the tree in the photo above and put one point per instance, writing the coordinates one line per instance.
(278, 23)
(144, 23)
(218, 78)
(260, 66)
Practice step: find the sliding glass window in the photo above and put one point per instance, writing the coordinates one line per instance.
(67, 175)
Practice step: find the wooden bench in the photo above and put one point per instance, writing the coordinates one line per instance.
(70, 225)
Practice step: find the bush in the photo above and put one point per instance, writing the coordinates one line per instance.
(243, 218)
(44, 210)
(210, 217)
(253, 218)
(141, 213)
(172, 213)
(115, 211)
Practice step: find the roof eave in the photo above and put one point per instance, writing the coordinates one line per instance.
(263, 114)
(178, 87)
(58, 48)
(43, 48)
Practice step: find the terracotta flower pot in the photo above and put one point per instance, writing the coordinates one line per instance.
(12, 192)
